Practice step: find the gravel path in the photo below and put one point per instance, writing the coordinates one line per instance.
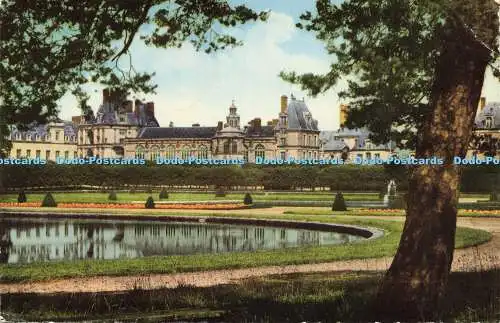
(483, 257)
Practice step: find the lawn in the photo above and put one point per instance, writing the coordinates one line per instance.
(384, 246)
(380, 212)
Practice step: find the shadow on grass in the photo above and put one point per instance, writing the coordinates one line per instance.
(316, 297)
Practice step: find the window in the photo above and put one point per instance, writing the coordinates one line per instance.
(47, 154)
(283, 155)
(37, 153)
(234, 149)
(303, 155)
(66, 138)
(170, 152)
(310, 155)
(155, 153)
(203, 152)
(75, 154)
(260, 151)
(283, 141)
(18, 153)
(57, 153)
(28, 153)
(377, 156)
(57, 135)
(66, 154)
(122, 119)
(123, 133)
(139, 152)
(226, 147)
(360, 156)
(185, 153)
(368, 155)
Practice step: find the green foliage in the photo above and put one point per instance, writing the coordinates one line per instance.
(494, 196)
(396, 202)
(345, 178)
(112, 196)
(48, 201)
(163, 194)
(339, 203)
(247, 200)
(150, 203)
(21, 198)
(220, 192)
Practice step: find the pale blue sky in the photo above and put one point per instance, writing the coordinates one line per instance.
(198, 88)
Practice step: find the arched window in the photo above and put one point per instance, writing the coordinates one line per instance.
(226, 147)
(185, 152)
(260, 151)
(203, 152)
(170, 153)
(155, 152)
(489, 122)
(139, 152)
(234, 148)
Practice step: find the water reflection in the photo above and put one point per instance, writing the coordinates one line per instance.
(29, 240)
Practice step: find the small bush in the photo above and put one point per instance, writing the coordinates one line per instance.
(21, 198)
(381, 195)
(396, 202)
(247, 200)
(163, 194)
(220, 192)
(339, 203)
(494, 196)
(132, 190)
(150, 203)
(48, 201)
(112, 196)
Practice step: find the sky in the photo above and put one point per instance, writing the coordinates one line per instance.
(194, 87)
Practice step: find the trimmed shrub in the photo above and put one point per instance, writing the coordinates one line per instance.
(163, 194)
(220, 192)
(21, 198)
(112, 196)
(150, 203)
(339, 203)
(247, 200)
(48, 201)
(381, 195)
(494, 196)
(132, 190)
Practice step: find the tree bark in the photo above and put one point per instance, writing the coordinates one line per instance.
(416, 281)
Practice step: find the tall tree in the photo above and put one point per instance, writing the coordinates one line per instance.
(415, 72)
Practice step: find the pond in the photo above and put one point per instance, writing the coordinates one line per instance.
(25, 240)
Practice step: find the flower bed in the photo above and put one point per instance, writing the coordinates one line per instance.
(198, 206)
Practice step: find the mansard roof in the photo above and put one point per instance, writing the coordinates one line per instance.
(299, 116)
(177, 132)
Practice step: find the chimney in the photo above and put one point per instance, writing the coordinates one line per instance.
(257, 125)
(150, 108)
(76, 120)
(482, 103)
(105, 96)
(284, 103)
(138, 103)
(219, 126)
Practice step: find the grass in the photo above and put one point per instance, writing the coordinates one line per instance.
(94, 197)
(384, 246)
(311, 297)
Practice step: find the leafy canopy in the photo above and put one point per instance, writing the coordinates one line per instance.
(388, 51)
(52, 47)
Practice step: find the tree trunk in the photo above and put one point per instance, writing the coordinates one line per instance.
(416, 281)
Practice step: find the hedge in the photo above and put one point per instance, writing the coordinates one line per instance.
(338, 178)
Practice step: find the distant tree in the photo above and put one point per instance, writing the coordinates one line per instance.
(112, 196)
(247, 200)
(339, 203)
(150, 203)
(48, 201)
(21, 198)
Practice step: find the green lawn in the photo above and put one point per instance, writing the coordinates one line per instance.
(361, 212)
(384, 246)
(123, 197)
